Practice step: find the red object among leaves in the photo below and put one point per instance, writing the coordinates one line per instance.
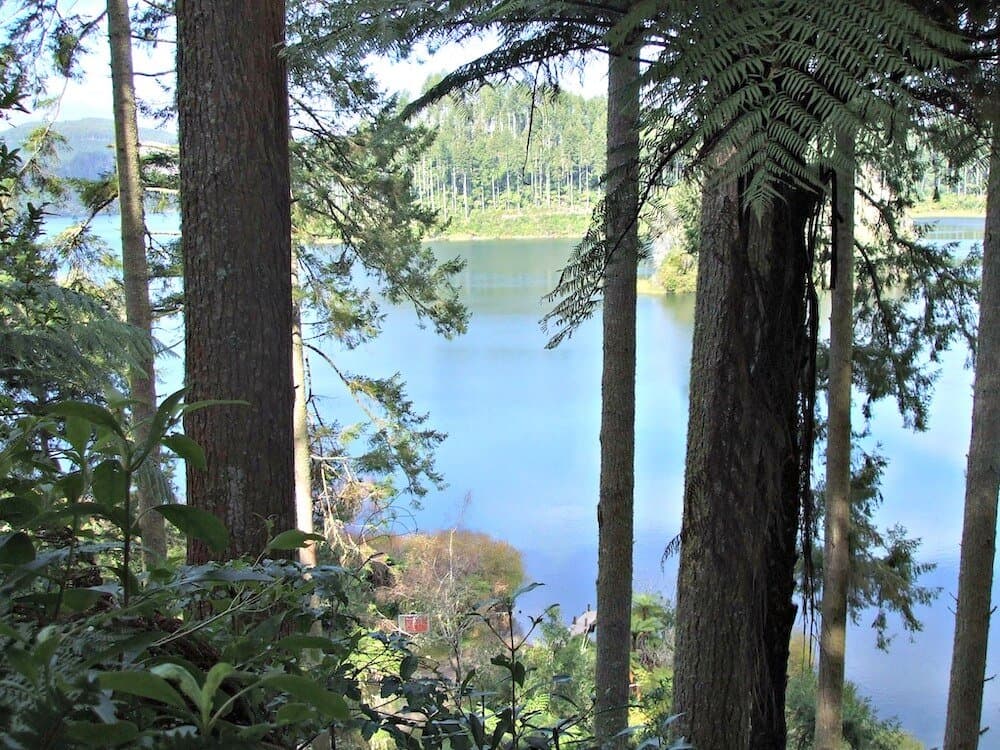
(414, 624)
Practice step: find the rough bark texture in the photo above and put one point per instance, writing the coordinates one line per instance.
(614, 512)
(300, 417)
(836, 553)
(975, 577)
(741, 496)
(236, 227)
(142, 378)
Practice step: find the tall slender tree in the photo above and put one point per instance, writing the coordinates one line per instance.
(142, 378)
(836, 553)
(236, 236)
(615, 518)
(974, 610)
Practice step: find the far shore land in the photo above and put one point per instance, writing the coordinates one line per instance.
(533, 225)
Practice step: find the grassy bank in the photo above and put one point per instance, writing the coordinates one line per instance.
(509, 225)
(951, 204)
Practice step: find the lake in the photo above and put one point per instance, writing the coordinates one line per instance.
(521, 459)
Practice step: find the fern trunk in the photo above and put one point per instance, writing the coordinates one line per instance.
(617, 479)
(741, 495)
(236, 224)
(975, 578)
(142, 378)
(836, 551)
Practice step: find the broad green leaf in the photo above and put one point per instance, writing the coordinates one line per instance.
(293, 713)
(213, 680)
(72, 485)
(16, 549)
(408, 666)
(197, 523)
(46, 643)
(93, 413)
(22, 662)
(78, 431)
(6, 631)
(110, 483)
(184, 679)
(227, 575)
(330, 704)
(79, 600)
(293, 539)
(144, 684)
(164, 417)
(102, 735)
(187, 449)
(19, 510)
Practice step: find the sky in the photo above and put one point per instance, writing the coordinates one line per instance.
(89, 95)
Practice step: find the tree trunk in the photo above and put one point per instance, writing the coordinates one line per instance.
(617, 480)
(975, 578)
(142, 377)
(300, 417)
(836, 552)
(741, 492)
(236, 227)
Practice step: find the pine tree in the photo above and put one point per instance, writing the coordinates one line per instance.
(142, 379)
(236, 225)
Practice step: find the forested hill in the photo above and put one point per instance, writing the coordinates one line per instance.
(500, 149)
(88, 149)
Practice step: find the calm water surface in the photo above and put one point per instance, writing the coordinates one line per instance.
(521, 459)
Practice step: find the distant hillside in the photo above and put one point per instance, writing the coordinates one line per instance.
(89, 147)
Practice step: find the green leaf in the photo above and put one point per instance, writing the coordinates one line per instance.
(78, 432)
(72, 485)
(184, 679)
(197, 523)
(187, 449)
(93, 413)
(19, 510)
(329, 704)
(165, 415)
(110, 483)
(408, 666)
(102, 735)
(293, 539)
(79, 600)
(216, 675)
(294, 713)
(144, 684)
(16, 549)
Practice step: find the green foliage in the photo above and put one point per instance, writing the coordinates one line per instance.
(884, 571)
(678, 231)
(863, 728)
(97, 654)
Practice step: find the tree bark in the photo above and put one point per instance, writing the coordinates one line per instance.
(142, 377)
(236, 228)
(741, 495)
(975, 577)
(836, 552)
(300, 416)
(617, 479)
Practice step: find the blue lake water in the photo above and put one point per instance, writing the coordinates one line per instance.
(521, 459)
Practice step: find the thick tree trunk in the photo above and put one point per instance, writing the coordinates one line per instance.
(975, 578)
(836, 552)
(741, 501)
(142, 378)
(236, 226)
(614, 511)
